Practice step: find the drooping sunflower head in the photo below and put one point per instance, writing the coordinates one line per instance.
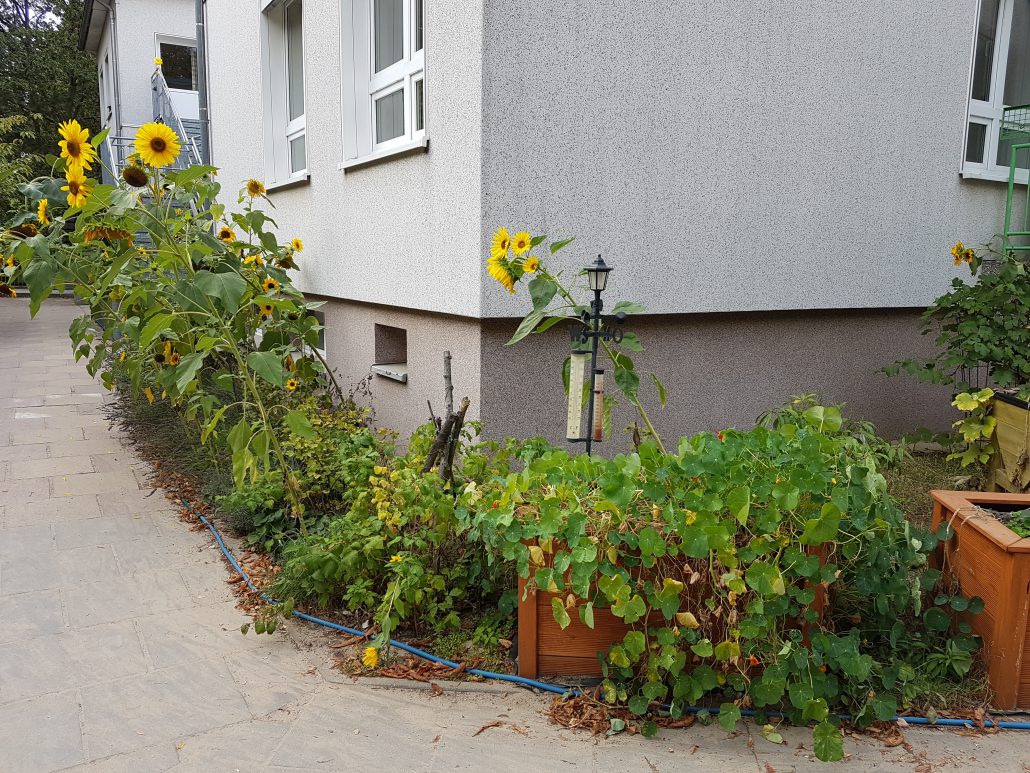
(255, 188)
(157, 144)
(501, 243)
(6, 291)
(42, 212)
(226, 234)
(531, 265)
(957, 250)
(24, 231)
(77, 189)
(135, 175)
(297, 245)
(370, 658)
(269, 285)
(292, 384)
(521, 243)
(286, 262)
(97, 233)
(500, 270)
(76, 150)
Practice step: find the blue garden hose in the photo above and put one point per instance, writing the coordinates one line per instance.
(552, 688)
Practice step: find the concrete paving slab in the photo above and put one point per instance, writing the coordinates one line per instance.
(132, 503)
(25, 490)
(46, 510)
(46, 468)
(28, 615)
(63, 569)
(29, 435)
(152, 759)
(104, 530)
(103, 445)
(123, 598)
(93, 483)
(33, 540)
(41, 734)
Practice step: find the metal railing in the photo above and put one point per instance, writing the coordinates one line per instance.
(164, 112)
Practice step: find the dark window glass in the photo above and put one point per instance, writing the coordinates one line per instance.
(975, 141)
(179, 65)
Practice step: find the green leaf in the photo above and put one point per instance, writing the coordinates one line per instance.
(155, 326)
(299, 424)
(729, 716)
(738, 501)
(649, 729)
(634, 644)
(824, 528)
(542, 290)
(639, 704)
(187, 370)
(555, 246)
(586, 614)
(936, 619)
(824, 418)
(726, 650)
(816, 710)
(829, 742)
(39, 278)
(628, 307)
(268, 365)
(529, 322)
(227, 287)
(628, 381)
(617, 726)
(629, 610)
(650, 542)
(703, 648)
(661, 389)
(561, 616)
(765, 579)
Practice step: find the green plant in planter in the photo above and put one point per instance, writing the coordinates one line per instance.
(187, 302)
(711, 556)
(981, 323)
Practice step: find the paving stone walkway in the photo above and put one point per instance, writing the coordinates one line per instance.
(120, 647)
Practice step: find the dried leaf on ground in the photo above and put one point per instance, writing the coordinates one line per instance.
(487, 726)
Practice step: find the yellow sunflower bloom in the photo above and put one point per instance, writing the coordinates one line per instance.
(76, 150)
(298, 245)
(371, 657)
(157, 144)
(77, 189)
(269, 285)
(501, 243)
(10, 261)
(174, 358)
(253, 260)
(158, 61)
(498, 268)
(531, 265)
(521, 243)
(957, 250)
(41, 212)
(292, 384)
(226, 234)
(121, 357)
(255, 188)
(395, 559)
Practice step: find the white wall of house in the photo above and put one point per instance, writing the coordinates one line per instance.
(139, 22)
(736, 156)
(405, 232)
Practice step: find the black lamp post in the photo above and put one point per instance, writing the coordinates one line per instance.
(593, 330)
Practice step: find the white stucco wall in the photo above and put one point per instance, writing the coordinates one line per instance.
(138, 22)
(736, 156)
(403, 233)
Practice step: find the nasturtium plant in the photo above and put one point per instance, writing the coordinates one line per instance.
(714, 557)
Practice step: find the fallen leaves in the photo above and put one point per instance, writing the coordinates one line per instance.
(587, 713)
(423, 670)
(487, 726)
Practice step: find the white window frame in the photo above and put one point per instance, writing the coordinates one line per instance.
(175, 40)
(991, 111)
(106, 89)
(362, 86)
(279, 130)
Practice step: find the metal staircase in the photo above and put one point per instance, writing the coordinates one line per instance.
(117, 149)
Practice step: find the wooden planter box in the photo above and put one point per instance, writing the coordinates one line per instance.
(1010, 463)
(546, 649)
(991, 561)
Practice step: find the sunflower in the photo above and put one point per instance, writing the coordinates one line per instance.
(269, 285)
(174, 359)
(531, 265)
(7, 291)
(109, 234)
(255, 188)
(25, 230)
(265, 310)
(521, 243)
(298, 245)
(499, 270)
(396, 559)
(502, 242)
(253, 260)
(77, 189)
(370, 658)
(157, 144)
(135, 175)
(75, 147)
(10, 261)
(286, 261)
(41, 212)
(957, 250)
(292, 384)
(226, 234)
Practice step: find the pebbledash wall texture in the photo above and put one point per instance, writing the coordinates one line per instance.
(779, 186)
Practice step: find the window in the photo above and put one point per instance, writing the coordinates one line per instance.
(178, 65)
(999, 92)
(106, 97)
(391, 351)
(384, 77)
(283, 57)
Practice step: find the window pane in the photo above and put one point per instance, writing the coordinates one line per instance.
(294, 60)
(420, 119)
(298, 155)
(983, 57)
(417, 21)
(179, 65)
(390, 116)
(1016, 122)
(975, 142)
(389, 33)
